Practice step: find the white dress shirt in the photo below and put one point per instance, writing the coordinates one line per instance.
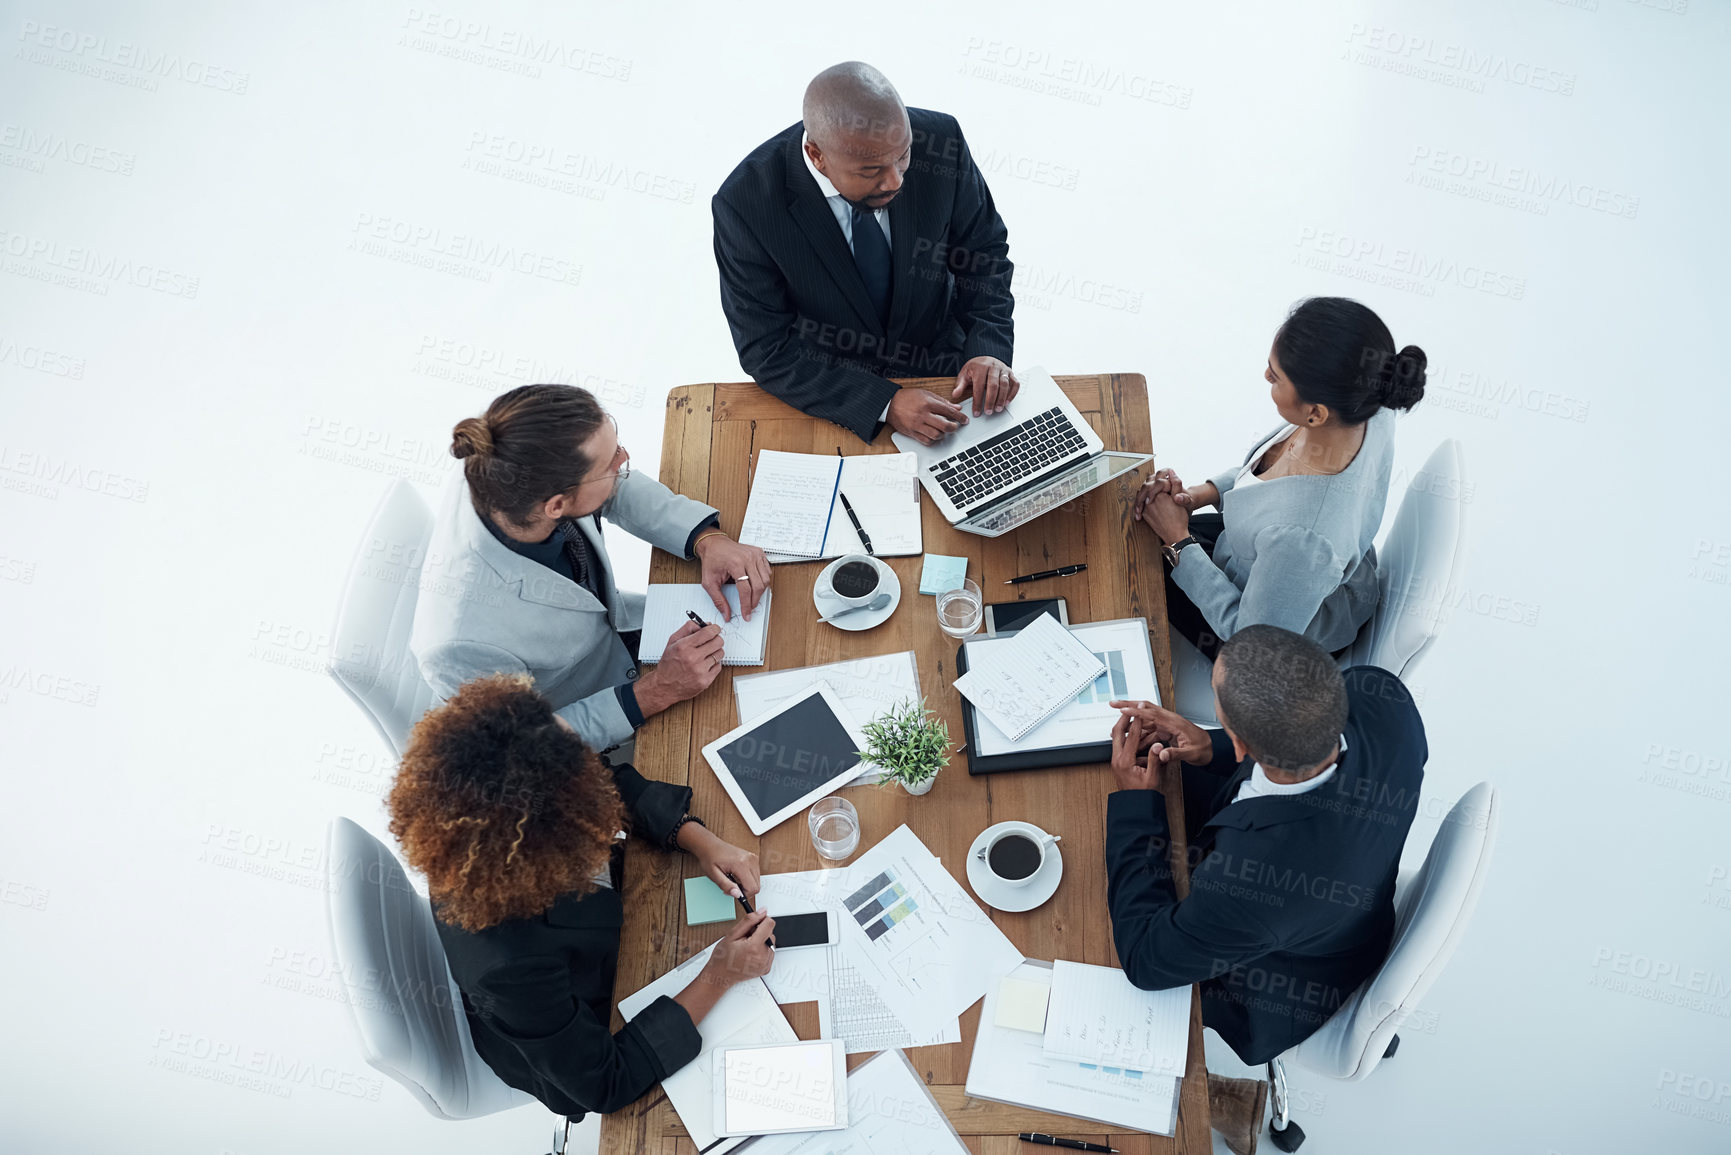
(838, 203)
(1260, 785)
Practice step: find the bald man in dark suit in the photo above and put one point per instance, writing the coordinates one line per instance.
(862, 244)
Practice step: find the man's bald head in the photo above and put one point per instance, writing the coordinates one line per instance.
(853, 108)
(857, 132)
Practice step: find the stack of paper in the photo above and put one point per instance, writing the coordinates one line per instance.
(1010, 1065)
(795, 511)
(745, 1016)
(1032, 675)
(916, 937)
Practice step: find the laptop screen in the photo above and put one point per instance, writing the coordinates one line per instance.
(1091, 473)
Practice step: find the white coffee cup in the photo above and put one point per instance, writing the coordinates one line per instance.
(1015, 849)
(841, 583)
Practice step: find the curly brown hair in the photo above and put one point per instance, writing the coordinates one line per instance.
(502, 807)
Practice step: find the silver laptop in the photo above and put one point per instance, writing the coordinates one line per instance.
(998, 472)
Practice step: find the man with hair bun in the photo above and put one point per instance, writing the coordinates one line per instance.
(1297, 810)
(518, 580)
(862, 244)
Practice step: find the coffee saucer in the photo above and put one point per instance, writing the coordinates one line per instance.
(826, 601)
(1000, 895)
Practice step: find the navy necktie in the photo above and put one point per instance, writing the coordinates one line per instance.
(871, 252)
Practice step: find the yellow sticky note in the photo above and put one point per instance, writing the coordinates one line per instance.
(1022, 1005)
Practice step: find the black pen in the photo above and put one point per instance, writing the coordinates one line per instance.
(1054, 1141)
(746, 903)
(1064, 571)
(858, 528)
(701, 624)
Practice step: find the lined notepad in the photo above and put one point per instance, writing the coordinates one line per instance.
(743, 643)
(795, 511)
(1030, 676)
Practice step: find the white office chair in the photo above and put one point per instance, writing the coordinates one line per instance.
(1431, 913)
(407, 1011)
(370, 656)
(1417, 564)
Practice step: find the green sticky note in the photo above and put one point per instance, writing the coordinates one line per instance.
(941, 572)
(705, 902)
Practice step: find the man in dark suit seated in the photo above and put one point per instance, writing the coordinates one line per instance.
(1297, 810)
(862, 244)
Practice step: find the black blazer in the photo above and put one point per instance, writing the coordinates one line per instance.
(1291, 901)
(539, 991)
(801, 318)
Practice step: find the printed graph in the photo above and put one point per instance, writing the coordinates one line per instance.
(1109, 686)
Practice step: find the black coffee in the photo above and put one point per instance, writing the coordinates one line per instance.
(856, 579)
(1014, 856)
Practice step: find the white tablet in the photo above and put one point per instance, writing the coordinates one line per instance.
(782, 1087)
(781, 762)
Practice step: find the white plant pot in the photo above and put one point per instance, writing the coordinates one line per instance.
(923, 788)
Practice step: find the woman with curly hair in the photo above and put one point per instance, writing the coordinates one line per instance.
(514, 820)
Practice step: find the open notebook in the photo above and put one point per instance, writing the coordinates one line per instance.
(743, 643)
(795, 511)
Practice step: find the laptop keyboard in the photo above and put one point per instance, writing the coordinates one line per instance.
(1016, 454)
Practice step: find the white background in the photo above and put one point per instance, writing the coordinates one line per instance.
(186, 471)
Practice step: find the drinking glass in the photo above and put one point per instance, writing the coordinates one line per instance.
(834, 827)
(959, 610)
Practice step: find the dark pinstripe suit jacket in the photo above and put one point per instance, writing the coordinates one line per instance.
(801, 319)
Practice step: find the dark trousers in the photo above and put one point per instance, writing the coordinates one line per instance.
(1180, 610)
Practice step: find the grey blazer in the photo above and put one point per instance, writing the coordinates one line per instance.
(484, 609)
(1296, 551)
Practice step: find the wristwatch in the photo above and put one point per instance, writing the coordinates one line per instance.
(1172, 551)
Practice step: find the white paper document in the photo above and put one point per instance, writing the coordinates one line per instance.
(745, 1016)
(1097, 1016)
(664, 607)
(1122, 648)
(1011, 1066)
(867, 687)
(889, 1111)
(916, 936)
(1030, 677)
(801, 974)
(856, 1014)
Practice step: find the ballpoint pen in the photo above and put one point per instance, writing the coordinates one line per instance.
(1062, 571)
(746, 903)
(858, 528)
(701, 624)
(1055, 1141)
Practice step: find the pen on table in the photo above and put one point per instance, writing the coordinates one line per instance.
(1054, 1141)
(858, 528)
(1062, 571)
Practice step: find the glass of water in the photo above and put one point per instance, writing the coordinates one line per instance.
(834, 827)
(959, 610)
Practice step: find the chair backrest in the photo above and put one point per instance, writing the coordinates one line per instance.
(370, 656)
(1418, 567)
(1430, 916)
(406, 1009)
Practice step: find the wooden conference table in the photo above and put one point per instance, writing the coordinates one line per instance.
(713, 434)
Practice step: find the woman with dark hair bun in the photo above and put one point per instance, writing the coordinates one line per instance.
(1291, 545)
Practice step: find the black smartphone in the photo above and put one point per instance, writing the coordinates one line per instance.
(791, 930)
(1002, 617)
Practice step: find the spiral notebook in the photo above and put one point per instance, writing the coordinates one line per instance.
(1031, 676)
(743, 643)
(795, 512)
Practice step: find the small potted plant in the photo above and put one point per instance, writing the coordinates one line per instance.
(908, 744)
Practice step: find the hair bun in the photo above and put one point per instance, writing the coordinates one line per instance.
(1402, 384)
(471, 438)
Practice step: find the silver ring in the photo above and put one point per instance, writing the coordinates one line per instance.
(741, 578)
